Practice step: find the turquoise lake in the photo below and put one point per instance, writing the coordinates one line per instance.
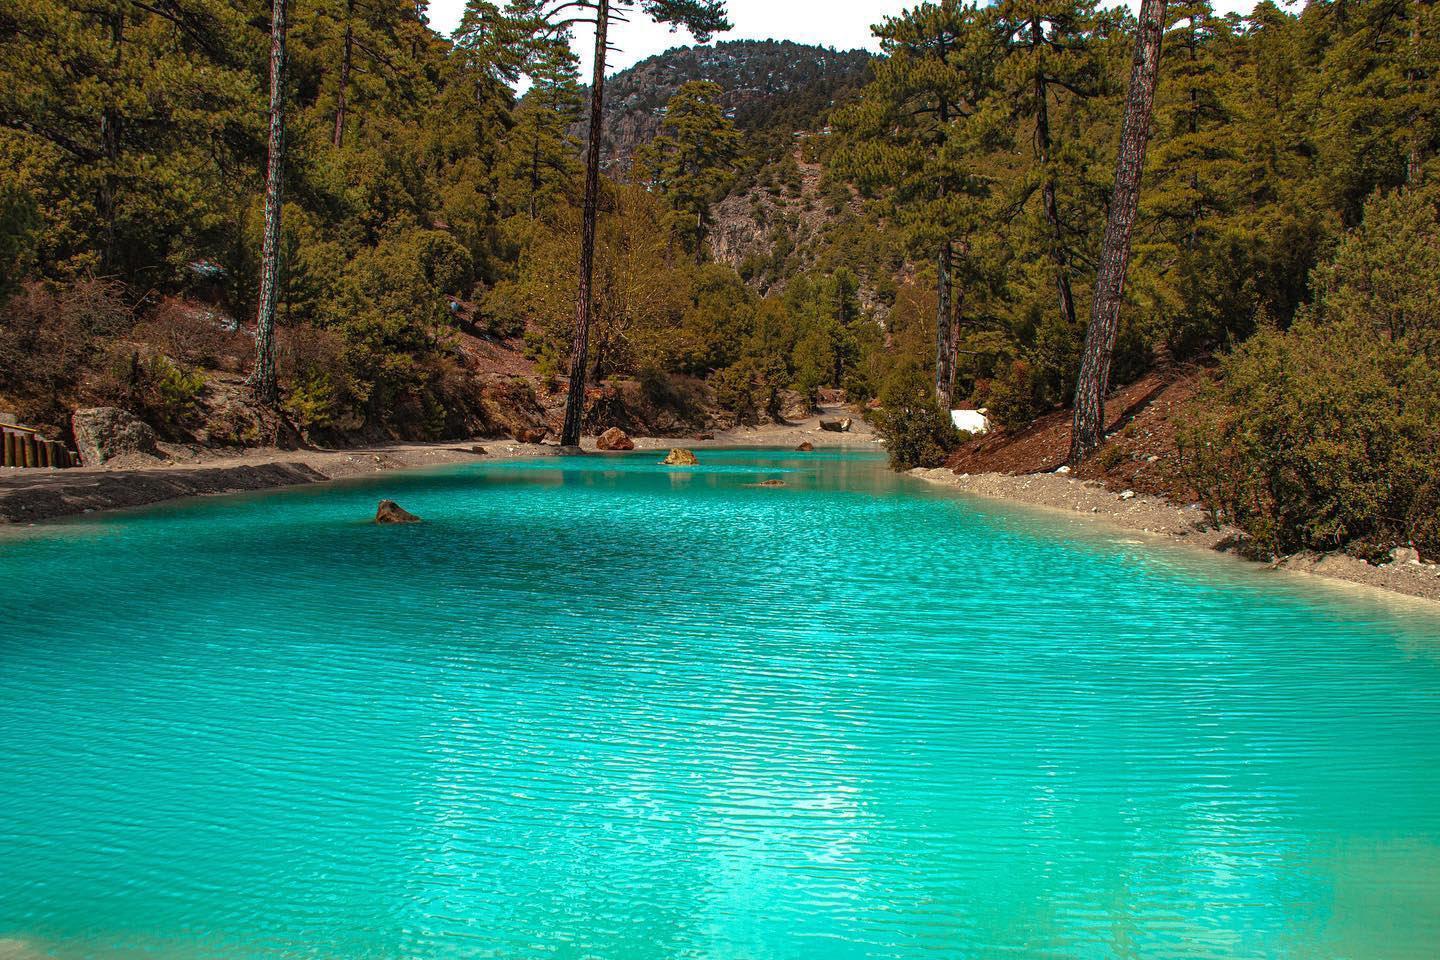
(599, 708)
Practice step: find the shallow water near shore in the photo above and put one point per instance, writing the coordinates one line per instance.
(597, 707)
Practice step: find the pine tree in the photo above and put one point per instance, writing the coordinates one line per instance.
(544, 150)
(1050, 56)
(907, 133)
(1094, 378)
(702, 18)
(263, 378)
(692, 160)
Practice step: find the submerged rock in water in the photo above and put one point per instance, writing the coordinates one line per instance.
(836, 426)
(772, 483)
(806, 447)
(391, 512)
(105, 433)
(614, 439)
(680, 458)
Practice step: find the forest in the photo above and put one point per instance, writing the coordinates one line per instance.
(928, 235)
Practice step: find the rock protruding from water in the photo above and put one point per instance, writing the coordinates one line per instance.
(614, 439)
(806, 447)
(391, 512)
(837, 426)
(103, 434)
(680, 458)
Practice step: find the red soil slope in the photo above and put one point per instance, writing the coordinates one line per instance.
(1139, 452)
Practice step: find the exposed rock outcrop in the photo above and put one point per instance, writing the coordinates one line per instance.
(391, 512)
(837, 426)
(794, 406)
(103, 434)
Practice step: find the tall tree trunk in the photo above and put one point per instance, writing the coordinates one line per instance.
(347, 53)
(1414, 161)
(580, 347)
(110, 121)
(262, 379)
(944, 311)
(944, 329)
(1047, 190)
(1094, 379)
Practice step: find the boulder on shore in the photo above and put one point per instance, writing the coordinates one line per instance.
(391, 512)
(836, 426)
(530, 434)
(794, 406)
(614, 439)
(104, 433)
(680, 458)
(806, 447)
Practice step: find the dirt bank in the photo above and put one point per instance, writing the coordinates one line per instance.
(1143, 513)
(29, 496)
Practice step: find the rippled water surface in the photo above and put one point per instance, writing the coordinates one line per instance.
(602, 708)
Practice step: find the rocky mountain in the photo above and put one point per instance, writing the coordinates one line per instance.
(773, 88)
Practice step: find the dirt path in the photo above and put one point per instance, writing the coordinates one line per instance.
(30, 496)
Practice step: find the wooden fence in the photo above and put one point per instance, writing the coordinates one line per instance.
(24, 447)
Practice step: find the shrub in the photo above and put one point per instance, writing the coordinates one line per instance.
(1320, 438)
(1328, 436)
(195, 334)
(917, 432)
(50, 337)
(1010, 397)
(153, 387)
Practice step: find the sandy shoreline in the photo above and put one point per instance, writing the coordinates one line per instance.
(32, 496)
(1161, 519)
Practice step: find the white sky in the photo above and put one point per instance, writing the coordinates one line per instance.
(843, 24)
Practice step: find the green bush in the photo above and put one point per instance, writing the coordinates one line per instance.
(1321, 438)
(917, 432)
(1328, 436)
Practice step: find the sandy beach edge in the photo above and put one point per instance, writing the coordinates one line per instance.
(1185, 526)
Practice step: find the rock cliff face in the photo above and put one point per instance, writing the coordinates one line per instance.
(765, 231)
(770, 87)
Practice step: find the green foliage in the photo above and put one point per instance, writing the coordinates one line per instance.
(1323, 438)
(1328, 435)
(692, 160)
(917, 432)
